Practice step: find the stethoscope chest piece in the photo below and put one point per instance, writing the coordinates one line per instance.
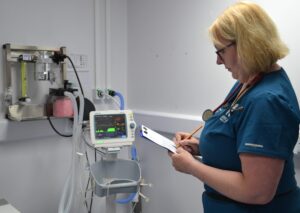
(207, 114)
(236, 94)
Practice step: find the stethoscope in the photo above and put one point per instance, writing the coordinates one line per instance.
(236, 94)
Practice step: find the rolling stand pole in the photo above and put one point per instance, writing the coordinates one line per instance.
(110, 204)
(110, 200)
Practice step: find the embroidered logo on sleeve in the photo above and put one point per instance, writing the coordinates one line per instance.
(255, 145)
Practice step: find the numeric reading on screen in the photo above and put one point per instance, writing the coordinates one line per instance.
(110, 126)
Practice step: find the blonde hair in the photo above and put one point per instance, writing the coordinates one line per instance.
(257, 41)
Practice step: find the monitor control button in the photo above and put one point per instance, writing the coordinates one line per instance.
(132, 125)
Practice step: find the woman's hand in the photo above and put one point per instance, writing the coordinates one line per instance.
(191, 145)
(182, 160)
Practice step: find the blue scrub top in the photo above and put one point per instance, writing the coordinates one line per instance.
(265, 121)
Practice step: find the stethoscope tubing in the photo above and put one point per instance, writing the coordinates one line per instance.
(229, 97)
(237, 93)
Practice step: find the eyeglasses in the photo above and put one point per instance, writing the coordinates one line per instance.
(222, 50)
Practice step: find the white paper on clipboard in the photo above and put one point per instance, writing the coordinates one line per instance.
(158, 139)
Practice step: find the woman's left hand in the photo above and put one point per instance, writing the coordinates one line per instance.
(183, 161)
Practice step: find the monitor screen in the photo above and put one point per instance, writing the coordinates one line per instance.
(110, 126)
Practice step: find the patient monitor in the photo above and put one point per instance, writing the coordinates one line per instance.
(112, 128)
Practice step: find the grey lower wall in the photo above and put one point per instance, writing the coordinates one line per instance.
(172, 192)
(32, 173)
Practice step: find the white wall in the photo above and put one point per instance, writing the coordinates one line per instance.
(34, 161)
(111, 45)
(172, 63)
(173, 77)
(51, 23)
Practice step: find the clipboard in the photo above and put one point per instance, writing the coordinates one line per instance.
(158, 138)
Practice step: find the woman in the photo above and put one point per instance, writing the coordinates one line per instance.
(247, 143)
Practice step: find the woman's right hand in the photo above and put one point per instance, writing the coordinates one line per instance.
(191, 145)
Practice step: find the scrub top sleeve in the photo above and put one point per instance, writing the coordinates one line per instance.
(268, 127)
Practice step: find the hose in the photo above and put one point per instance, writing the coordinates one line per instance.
(67, 196)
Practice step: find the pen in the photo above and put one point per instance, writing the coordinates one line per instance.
(195, 131)
(192, 133)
